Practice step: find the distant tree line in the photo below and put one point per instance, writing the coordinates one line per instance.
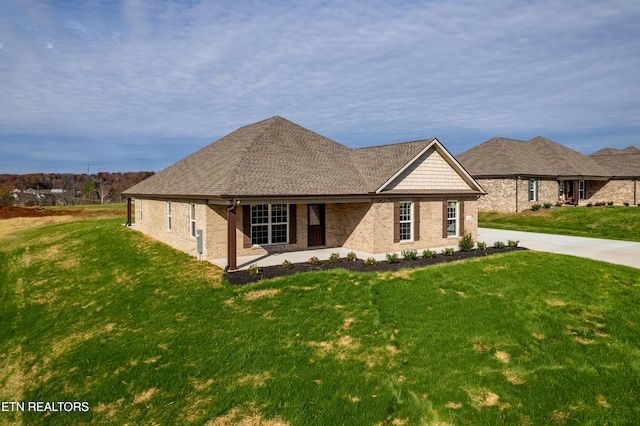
(66, 188)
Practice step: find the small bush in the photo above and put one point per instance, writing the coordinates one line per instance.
(286, 265)
(498, 245)
(410, 255)
(392, 257)
(589, 204)
(559, 204)
(351, 257)
(428, 253)
(370, 261)
(512, 243)
(466, 242)
(313, 261)
(535, 207)
(609, 203)
(334, 258)
(482, 246)
(626, 204)
(547, 205)
(448, 251)
(254, 269)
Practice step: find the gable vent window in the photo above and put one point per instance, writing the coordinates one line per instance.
(269, 224)
(192, 221)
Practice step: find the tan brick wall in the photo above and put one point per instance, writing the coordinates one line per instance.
(365, 227)
(618, 191)
(501, 194)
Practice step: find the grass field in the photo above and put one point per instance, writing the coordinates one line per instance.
(94, 312)
(611, 222)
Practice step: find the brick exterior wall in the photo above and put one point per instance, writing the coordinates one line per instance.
(618, 191)
(365, 227)
(501, 194)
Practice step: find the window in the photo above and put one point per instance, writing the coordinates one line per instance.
(533, 190)
(140, 210)
(193, 221)
(269, 224)
(452, 218)
(582, 190)
(405, 221)
(169, 215)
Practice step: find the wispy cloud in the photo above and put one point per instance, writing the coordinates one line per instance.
(360, 72)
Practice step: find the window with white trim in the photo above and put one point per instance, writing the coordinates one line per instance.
(533, 190)
(269, 224)
(406, 210)
(452, 218)
(140, 210)
(169, 215)
(192, 221)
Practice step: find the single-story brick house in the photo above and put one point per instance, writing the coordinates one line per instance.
(624, 167)
(518, 174)
(274, 186)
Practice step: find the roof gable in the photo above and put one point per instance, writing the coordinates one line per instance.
(619, 162)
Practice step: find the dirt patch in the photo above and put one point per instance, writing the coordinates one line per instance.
(503, 357)
(347, 323)
(513, 378)
(254, 380)
(554, 302)
(453, 405)
(10, 212)
(258, 294)
(602, 401)
(248, 415)
(145, 396)
(483, 397)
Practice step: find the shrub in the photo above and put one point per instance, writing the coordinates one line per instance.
(589, 204)
(466, 242)
(334, 258)
(535, 207)
(512, 243)
(410, 255)
(313, 261)
(370, 261)
(547, 205)
(482, 246)
(428, 253)
(286, 265)
(351, 257)
(498, 245)
(448, 251)
(609, 203)
(559, 204)
(392, 257)
(626, 204)
(254, 269)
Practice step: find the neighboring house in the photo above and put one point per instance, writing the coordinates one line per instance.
(624, 167)
(274, 186)
(518, 174)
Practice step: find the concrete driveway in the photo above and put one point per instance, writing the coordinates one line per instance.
(612, 251)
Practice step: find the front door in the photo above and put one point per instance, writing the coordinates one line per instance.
(316, 225)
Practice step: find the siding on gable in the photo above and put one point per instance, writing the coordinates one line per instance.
(431, 171)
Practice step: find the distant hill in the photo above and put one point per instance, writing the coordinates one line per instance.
(68, 188)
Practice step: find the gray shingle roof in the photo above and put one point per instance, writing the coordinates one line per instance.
(536, 157)
(619, 162)
(276, 157)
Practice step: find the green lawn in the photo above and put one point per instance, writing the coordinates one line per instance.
(93, 312)
(611, 222)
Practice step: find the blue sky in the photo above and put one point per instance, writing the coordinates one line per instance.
(138, 85)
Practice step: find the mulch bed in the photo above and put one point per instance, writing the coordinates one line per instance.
(267, 272)
(9, 212)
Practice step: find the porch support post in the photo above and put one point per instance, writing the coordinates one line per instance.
(128, 211)
(232, 261)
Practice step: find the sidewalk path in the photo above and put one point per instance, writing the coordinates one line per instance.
(612, 251)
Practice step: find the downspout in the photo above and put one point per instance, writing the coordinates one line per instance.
(517, 179)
